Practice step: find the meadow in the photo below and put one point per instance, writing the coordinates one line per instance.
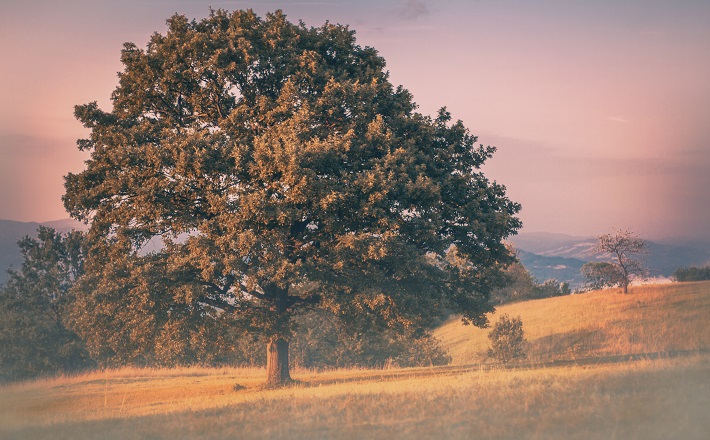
(600, 365)
(650, 320)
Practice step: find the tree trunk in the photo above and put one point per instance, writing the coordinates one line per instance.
(277, 372)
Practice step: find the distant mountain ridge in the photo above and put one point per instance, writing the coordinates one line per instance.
(542, 243)
(544, 254)
(560, 256)
(566, 270)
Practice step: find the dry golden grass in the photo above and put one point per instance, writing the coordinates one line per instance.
(662, 398)
(643, 399)
(650, 319)
(121, 393)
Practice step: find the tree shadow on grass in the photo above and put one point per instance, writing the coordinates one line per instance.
(568, 345)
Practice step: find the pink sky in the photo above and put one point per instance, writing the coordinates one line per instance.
(600, 110)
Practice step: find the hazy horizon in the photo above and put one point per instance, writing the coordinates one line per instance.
(599, 109)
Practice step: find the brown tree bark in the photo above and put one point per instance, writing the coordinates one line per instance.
(625, 281)
(277, 371)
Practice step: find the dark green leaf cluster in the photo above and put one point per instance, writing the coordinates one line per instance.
(130, 313)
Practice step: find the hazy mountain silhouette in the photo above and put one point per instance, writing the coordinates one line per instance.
(550, 255)
(545, 254)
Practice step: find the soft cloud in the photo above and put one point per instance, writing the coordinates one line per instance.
(413, 9)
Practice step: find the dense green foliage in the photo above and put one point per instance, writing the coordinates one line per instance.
(692, 273)
(507, 339)
(34, 333)
(283, 173)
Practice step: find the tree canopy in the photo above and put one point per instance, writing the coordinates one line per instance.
(35, 335)
(625, 249)
(281, 171)
(600, 274)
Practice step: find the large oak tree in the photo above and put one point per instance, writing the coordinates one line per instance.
(281, 171)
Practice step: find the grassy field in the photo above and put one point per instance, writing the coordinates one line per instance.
(580, 382)
(650, 319)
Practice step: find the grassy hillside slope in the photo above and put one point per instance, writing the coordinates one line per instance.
(650, 319)
(629, 397)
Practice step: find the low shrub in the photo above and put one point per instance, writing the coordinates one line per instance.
(507, 339)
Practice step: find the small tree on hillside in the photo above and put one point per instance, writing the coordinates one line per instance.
(625, 249)
(284, 172)
(599, 275)
(507, 339)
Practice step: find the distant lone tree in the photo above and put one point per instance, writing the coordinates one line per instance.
(280, 171)
(507, 339)
(625, 249)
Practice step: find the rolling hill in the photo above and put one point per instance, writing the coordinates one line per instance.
(650, 319)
